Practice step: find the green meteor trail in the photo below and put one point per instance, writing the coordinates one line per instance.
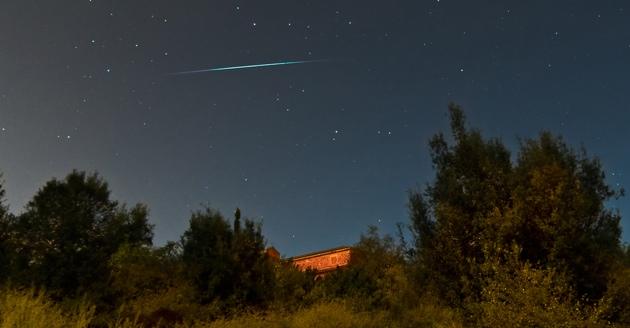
(216, 69)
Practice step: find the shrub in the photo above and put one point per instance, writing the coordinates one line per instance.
(528, 297)
(615, 305)
(428, 313)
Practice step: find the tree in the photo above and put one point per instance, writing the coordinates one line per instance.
(549, 203)
(375, 278)
(559, 216)
(449, 219)
(6, 250)
(206, 252)
(253, 270)
(226, 263)
(69, 231)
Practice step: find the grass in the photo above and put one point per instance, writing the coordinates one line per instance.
(29, 309)
(341, 315)
(32, 309)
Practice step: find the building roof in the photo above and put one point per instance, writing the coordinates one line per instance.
(319, 253)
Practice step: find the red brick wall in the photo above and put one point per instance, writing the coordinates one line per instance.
(324, 262)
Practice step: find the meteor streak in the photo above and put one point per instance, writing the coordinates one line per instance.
(216, 69)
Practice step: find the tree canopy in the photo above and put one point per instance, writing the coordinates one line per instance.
(226, 262)
(70, 229)
(548, 204)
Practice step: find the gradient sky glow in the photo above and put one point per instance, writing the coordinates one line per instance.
(86, 85)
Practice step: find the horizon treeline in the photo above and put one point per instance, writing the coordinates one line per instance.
(496, 240)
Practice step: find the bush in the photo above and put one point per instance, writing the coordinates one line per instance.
(292, 286)
(615, 305)
(174, 305)
(428, 313)
(335, 314)
(528, 297)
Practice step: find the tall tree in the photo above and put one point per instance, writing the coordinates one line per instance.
(70, 229)
(226, 263)
(471, 183)
(559, 215)
(206, 252)
(549, 206)
(252, 268)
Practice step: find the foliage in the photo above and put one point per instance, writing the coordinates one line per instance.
(550, 203)
(140, 270)
(614, 306)
(626, 256)
(341, 314)
(559, 216)
(336, 315)
(332, 314)
(292, 287)
(375, 277)
(449, 220)
(519, 294)
(31, 309)
(226, 263)
(6, 249)
(68, 232)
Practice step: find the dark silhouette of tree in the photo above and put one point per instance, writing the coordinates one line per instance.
(70, 229)
(253, 270)
(471, 183)
(6, 249)
(206, 252)
(227, 263)
(548, 205)
(558, 215)
(237, 221)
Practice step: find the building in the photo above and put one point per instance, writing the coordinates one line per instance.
(324, 261)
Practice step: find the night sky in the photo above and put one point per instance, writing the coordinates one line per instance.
(319, 150)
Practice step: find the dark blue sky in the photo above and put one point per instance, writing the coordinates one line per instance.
(318, 151)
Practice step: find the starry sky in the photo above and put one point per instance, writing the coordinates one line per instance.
(320, 150)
